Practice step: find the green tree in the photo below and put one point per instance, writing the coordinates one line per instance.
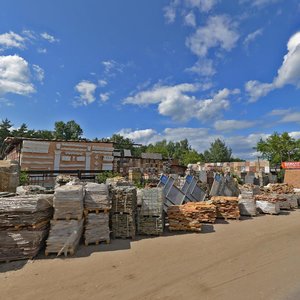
(218, 152)
(191, 157)
(67, 131)
(5, 130)
(278, 148)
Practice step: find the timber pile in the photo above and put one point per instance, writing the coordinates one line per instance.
(150, 220)
(96, 197)
(96, 228)
(267, 204)
(24, 225)
(247, 202)
(227, 207)
(124, 207)
(184, 218)
(68, 202)
(64, 236)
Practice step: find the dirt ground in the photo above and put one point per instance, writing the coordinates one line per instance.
(250, 259)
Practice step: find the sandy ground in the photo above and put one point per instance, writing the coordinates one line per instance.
(250, 259)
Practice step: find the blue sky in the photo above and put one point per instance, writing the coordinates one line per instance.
(153, 70)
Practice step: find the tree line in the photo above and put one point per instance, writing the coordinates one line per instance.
(276, 148)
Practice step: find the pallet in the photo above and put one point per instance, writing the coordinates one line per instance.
(68, 217)
(96, 211)
(124, 238)
(97, 242)
(69, 252)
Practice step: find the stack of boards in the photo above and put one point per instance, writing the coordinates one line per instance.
(150, 220)
(227, 207)
(67, 226)
(124, 206)
(24, 225)
(96, 209)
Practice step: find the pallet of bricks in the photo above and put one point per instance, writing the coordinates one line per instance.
(123, 213)
(150, 217)
(227, 207)
(247, 202)
(67, 224)
(190, 216)
(96, 210)
(24, 225)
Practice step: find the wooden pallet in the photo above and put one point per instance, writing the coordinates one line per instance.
(69, 252)
(68, 217)
(95, 211)
(97, 242)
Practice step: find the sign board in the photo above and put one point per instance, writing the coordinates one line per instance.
(291, 165)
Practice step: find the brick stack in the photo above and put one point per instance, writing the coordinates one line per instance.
(247, 203)
(267, 204)
(150, 220)
(66, 228)
(24, 225)
(124, 207)
(227, 207)
(96, 209)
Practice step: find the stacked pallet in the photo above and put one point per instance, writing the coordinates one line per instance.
(68, 202)
(184, 218)
(97, 205)
(227, 207)
(64, 237)
(124, 206)
(207, 211)
(150, 220)
(66, 228)
(24, 225)
(247, 203)
(267, 204)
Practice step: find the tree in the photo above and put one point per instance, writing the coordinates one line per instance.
(5, 130)
(278, 148)
(67, 131)
(218, 152)
(191, 157)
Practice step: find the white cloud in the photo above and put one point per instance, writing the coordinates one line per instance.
(39, 73)
(86, 89)
(138, 136)
(291, 117)
(177, 103)
(202, 5)
(6, 102)
(104, 97)
(50, 38)
(42, 50)
(251, 37)
(259, 3)
(219, 31)
(111, 67)
(279, 112)
(11, 40)
(288, 73)
(203, 67)
(190, 19)
(15, 76)
(230, 125)
(102, 83)
(170, 11)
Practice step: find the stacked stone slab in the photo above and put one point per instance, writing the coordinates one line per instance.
(67, 226)
(9, 176)
(184, 218)
(124, 207)
(227, 207)
(207, 211)
(24, 225)
(97, 205)
(150, 220)
(267, 204)
(247, 202)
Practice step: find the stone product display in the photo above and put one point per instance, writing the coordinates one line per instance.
(64, 236)
(123, 225)
(247, 203)
(96, 197)
(267, 207)
(124, 199)
(207, 211)
(152, 202)
(30, 190)
(96, 228)
(20, 244)
(68, 202)
(150, 225)
(26, 211)
(227, 207)
(279, 188)
(9, 176)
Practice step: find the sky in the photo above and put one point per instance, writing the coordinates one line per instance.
(154, 70)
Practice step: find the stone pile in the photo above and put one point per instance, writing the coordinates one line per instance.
(9, 176)
(96, 197)
(267, 204)
(227, 207)
(247, 203)
(279, 188)
(207, 211)
(24, 225)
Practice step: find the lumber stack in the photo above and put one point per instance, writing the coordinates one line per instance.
(150, 220)
(184, 218)
(97, 205)
(227, 207)
(124, 206)
(247, 202)
(267, 204)
(68, 202)
(64, 236)
(24, 225)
